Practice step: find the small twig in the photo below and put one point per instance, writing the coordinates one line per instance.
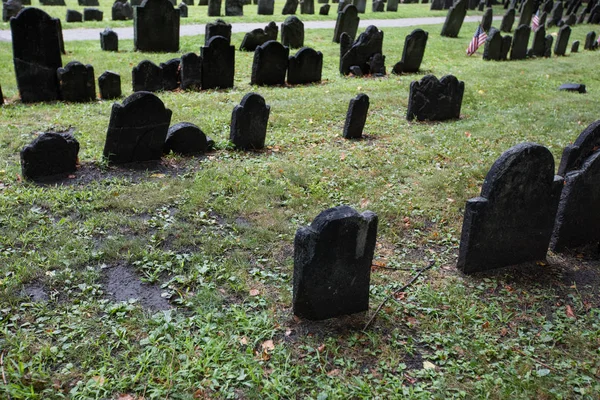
(535, 360)
(3, 375)
(414, 278)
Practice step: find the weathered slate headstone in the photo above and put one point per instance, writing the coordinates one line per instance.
(109, 85)
(347, 21)
(147, 77)
(306, 66)
(76, 82)
(183, 10)
(270, 64)
(556, 14)
(548, 46)
(361, 5)
(435, 100)
(191, 71)
(508, 20)
(594, 17)
(234, 8)
(575, 46)
(575, 155)
(290, 7)
(573, 87)
(257, 37)
(137, 129)
(511, 221)
(538, 47)
(437, 5)
(562, 40)
(1, 97)
(590, 41)
(53, 2)
(527, 11)
(50, 154)
(170, 74)
(571, 20)
(218, 64)
(185, 139)
(369, 43)
(61, 42)
(412, 54)
(356, 117)
(88, 3)
(109, 40)
(266, 7)
(214, 8)
(505, 48)
(73, 16)
(10, 9)
(332, 264)
(217, 28)
(292, 32)
(249, 122)
(156, 27)
(493, 46)
(519, 43)
(454, 19)
(486, 20)
(121, 11)
(92, 14)
(307, 7)
(392, 6)
(36, 55)
(378, 6)
(324, 10)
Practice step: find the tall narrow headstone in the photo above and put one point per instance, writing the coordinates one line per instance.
(435, 100)
(109, 85)
(183, 10)
(214, 8)
(191, 71)
(493, 46)
(454, 19)
(92, 14)
(562, 40)
(538, 46)
(156, 27)
(306, 66)
(249, 122)
(218, 64)
(307, 7)
(50, 154)
(520, 42)
(412, 55)
(290, 7)
(356, 117)
(486, 20)
(526, 12)
(270, 64)
(292, 32)
(575, 46)
(347, 21)
(76, 82)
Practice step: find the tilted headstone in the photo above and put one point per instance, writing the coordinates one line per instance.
(520, 42)
(356, 117)
(183, 10)
(185, 139)
(511, 221)
(88, 3)
(73, 16)
(473, 4)
(137, 129)
(392, 6)
(92, 14)
(214, 8)
(191, 72)
(412, 54)
(575, 46)
(347, 21)
(546, 6)
(10, 9)
(36, 55)
(249, 122)
(538, 47)
(292, 32)
(590, 41)
(573, 87)
(217, 28)
(324, 10)
(556, 14)
(257, 37)
(306, 66)
(234, 8)
(594, 17)
(378, 6)
(369, 43)
(270, 64)
(571, 20)
(332, 264)
(562, 40)
(218, 64)
(526, 12)
(109, 85)
(437, 5)
(505, 48)
(361, 5)
(147, 77)
(486, 20)
(76, 82)
(543, 18)
(121, 11)
(435, 100)
(290, 7)
(109, 40)
(493, 46)
(156, 27)
(455, 19)
(50, 154)
(307, 7)
(203, 3)
(575, 155)
(170, 74)
(266, 7)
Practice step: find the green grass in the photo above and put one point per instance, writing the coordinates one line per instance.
(211, 231)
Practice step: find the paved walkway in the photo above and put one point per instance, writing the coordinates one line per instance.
(192, 30)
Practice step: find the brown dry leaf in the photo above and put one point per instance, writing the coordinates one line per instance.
(254, 292)
(268, 345)
(125, 397)
(410, 379)
(541, 263)
(243, 340)
(503, 332)
(99, 380)
(321, 348)
(570, 312)
(485, 325)
(379, 263)
(343, 156)
(265, 356)
(468, 134)
(400, 295)
(201, 394)
(334, 372)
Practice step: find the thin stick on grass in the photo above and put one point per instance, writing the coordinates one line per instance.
(3, 374)
(414, 278)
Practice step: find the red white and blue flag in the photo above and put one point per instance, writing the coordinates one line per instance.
(535, 21)
(478, 39)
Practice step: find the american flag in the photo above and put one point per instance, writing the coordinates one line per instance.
(535, 21)
(478, 39)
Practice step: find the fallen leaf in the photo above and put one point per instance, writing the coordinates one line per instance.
(343, 156)
(485, 325)
(428, 365)
(468, 134)
(268, 345)
(410, 379)
(400, 295)
(503, 332)
(125, 397)
(364, 203)
(157, 175)
(570, 312)
(321, 348)
(99, 380)
(243, 340)
(334, 372)
(254, 292)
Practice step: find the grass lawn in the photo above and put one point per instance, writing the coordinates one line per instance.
(212, 236)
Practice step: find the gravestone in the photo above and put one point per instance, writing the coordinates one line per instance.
(548, 47)
(88, 3)
(347, 21)
(486, 20)
(436, 5)
(392, 6)
(332, 264)
(473, 4)
(214, 8)
(270, 64)
(324, 10)
(170, 74)
(505, 48)
(109, 40)
(249, 122)
(361, 5)
(594, 17)
(412, 55)
(36, 55)
(547, 6)
(590, 41)
(189, 2)
(481, 6)
(378, 6)
(543, 18)
(572, 87)
(266, 7)
(511, 221)
(10, 9)
(435, 100)
(305, 66)
(61, 42)
(454, 19)
(147, 77)
(121, 11)
(556, 14)
(191, 71)
(76, 82)
(508, 20)
(1, 97)
(52, 2)
(527, 11)
(218, 64)
(307, 7)
(292, 32)
(50, 154)
(356, 117)
(135, 3)
(73, 16)
(257, 37)
(234, 8)
(369, 43)
(493, 46)
(217, 28)
(538, 48)
(92, 14)
(183, 10)
(562, 40)
(137, 129)
(109, 85)
(290, 7)
(574, 155)
(156, 27)
(519, 43)
(204, 3)
(186, 139)
(575, 46)
(571, 20)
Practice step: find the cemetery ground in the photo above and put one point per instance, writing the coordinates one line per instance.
(206, 243)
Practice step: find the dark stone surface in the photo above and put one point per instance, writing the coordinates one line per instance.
(305, 66)
(356, 117)
(191, 72)
(266, 7)
(170, 74)
(361, 5)
(36, 55)
(435, 100)
(493, 46)
(10, 9)
(548, 46)
(121, 11)
(1, 97)
(455, 19)
(290, 7)
(347, 21)
(557, 13)
(147, 77)
(356, 71)
(137, 129)
(61, 42)
(527, 11)
(573, 87)
(88, 3)
(92, 14)
(511, 221)
(50, 154)
(574, 155)
(377, 65)
(234, 8)
(109, 40)
(392, 6)
(538, 46)
(571, 20)
(76, 82)
(369, 43)
(249, 122)
(437, 5)
(519, 43)
(575, 46)
(73, 16)
(332, 264)
(185, 139)
(562, 40)
(109, 85)
(307, 7)
(257, 37)
(505, 48)
(594, 17)
(214, 8)
(183, 10)
(292, 32)
(378, 6)
(324, 10)
(217, 28)
(590, 41)
(52, 2)
(270, 64)
(412, 55)
(156, 27)
(218, 64)
(486, 20)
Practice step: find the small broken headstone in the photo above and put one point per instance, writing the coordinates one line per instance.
(109, 40)
(249, 122)
(573, 87)
(257, 37)
(109, 84)
(575, 46)
(50, 154)
(92, 14)
(11, 8)
(121, 11)
(185, 139)
(356, 117)
(369, 43)
(435, 100)
(77, 82)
